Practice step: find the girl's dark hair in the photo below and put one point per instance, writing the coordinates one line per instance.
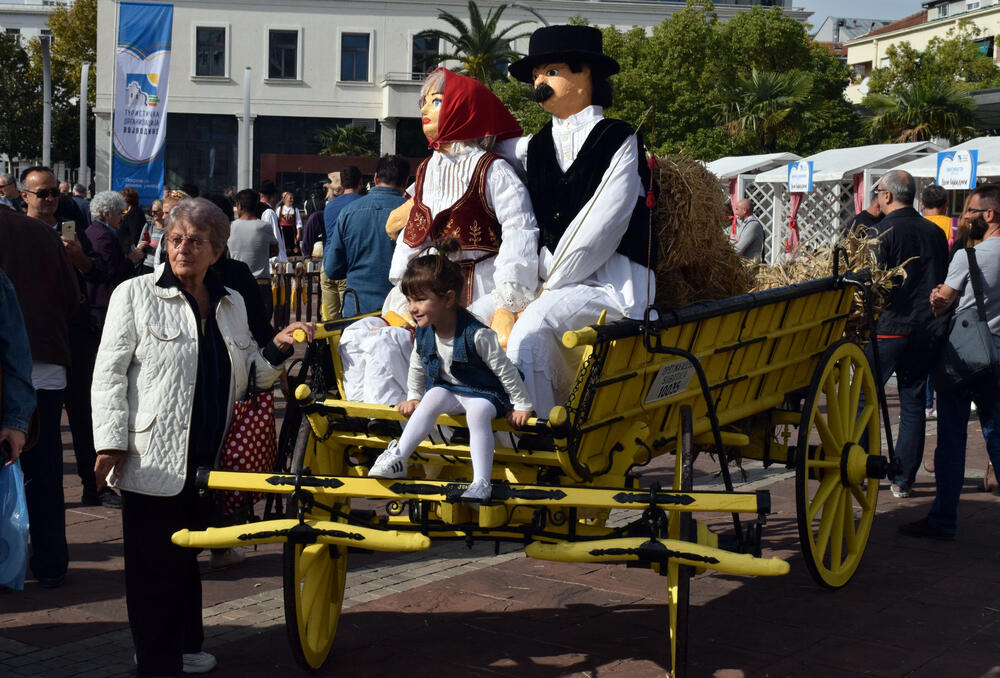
(434, 272)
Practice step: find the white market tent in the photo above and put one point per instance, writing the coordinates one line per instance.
(987, 165)
(826, 210)
(736, 174)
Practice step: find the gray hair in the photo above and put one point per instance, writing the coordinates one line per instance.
(200, 213)
(80, 188)
(434, 82)
(106, 202)
(7, 179)
(901, 184)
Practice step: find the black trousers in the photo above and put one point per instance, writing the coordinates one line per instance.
(162, 581)
(43, 490)
(81, 425)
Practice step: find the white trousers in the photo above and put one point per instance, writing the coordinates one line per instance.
(535, 343)
(376, 359)
(479, 412)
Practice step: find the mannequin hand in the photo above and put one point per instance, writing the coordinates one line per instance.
(502, 323)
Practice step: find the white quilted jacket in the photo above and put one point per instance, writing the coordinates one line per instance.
(145, 375)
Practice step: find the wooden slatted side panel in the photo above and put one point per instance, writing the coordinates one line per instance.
(752, 358)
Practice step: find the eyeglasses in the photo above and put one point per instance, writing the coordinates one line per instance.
(977, 210)
(176, 241)
(876, 191)
(44, 193)
(11, 183)
(157, 212)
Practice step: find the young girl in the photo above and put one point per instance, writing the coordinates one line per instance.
(456, 366)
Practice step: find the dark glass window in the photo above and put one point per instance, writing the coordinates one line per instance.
(354, 57)
(210, 51)
(283, 49)
(424, 51)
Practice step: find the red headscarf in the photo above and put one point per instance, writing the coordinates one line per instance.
(469, 110)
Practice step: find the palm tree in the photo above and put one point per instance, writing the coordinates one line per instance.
(761, 106)
(348, 140)
(483, 52)
(921, 111)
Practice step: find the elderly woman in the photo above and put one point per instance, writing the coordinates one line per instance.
(151, 234)
(175, 355)
(105, 222)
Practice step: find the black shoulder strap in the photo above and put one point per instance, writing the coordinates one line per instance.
(976, 278)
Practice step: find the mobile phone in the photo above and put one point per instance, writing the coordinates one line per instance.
(68, 229)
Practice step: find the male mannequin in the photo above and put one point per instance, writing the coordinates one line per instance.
(587, 176)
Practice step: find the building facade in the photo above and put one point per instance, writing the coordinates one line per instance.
(27, 19)
(314, 64)
(935, 20)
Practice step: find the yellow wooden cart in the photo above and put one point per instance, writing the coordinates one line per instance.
(769, 373)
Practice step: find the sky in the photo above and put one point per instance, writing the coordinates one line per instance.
(860, 9)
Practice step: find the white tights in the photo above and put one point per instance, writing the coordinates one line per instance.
(479, 412)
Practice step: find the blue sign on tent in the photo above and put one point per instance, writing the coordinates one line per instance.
(957, 169)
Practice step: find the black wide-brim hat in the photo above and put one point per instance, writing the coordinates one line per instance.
(559, 44)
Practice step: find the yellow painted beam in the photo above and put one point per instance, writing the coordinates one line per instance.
(312, 531)
(639, 548)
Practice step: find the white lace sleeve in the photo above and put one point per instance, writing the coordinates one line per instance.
(512, 296)
(517, 260)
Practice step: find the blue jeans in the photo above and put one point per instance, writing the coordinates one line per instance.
(949, 457)
(910, 358)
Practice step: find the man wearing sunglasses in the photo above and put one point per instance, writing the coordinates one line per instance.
(908, 335)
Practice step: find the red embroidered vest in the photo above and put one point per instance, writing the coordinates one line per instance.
(469, 220)
(286, 219)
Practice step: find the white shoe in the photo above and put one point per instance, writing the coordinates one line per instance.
(199, 662)
(390, 464)
(480, 490)
(228, 558)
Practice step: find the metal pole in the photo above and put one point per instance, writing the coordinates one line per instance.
(246, 178)
(46, 102)
(83, 174)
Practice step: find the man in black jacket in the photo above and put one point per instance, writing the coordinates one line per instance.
(907, 333)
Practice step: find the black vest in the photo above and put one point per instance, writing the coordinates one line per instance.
(557, 197)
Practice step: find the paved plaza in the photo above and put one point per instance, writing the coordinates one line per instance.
(915, 608)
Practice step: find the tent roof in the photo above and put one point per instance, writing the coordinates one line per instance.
(838, 163)
(988, 164)
(735, 165)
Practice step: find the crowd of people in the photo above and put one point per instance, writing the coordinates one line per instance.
(146, 330)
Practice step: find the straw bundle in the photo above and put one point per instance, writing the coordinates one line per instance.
(696, 263)
(817, 262)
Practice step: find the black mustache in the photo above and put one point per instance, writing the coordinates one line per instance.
(541, 93)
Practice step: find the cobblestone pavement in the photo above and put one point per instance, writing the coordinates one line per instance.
(915, 608)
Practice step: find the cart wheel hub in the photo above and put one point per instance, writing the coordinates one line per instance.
(854, 465)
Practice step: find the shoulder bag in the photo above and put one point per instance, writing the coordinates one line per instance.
(969, 358)
(250, 445)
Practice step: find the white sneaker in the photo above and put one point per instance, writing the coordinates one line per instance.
(199, 662)
(228, 558)
(390, 464)
(480, 490)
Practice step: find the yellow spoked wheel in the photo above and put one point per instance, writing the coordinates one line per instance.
(680, 526)
(315, 574)
(838, 468)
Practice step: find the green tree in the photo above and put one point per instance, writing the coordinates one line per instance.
(921, 112)
(761, 106)
(20, 133)
(348, 140)
(478, 46)
(74, 41)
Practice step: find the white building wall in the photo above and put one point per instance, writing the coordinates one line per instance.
(389, 92)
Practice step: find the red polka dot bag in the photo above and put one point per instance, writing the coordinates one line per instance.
(251, 445)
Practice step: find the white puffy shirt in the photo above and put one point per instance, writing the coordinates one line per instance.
(586, 253)
(512, 275)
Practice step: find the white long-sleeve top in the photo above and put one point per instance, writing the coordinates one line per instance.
(488, 348)
(271, 217)
(586, 253)
(511, 277)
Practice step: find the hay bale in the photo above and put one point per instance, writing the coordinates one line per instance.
(697, 263)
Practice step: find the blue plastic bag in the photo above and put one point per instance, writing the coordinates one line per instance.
(13, 527)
